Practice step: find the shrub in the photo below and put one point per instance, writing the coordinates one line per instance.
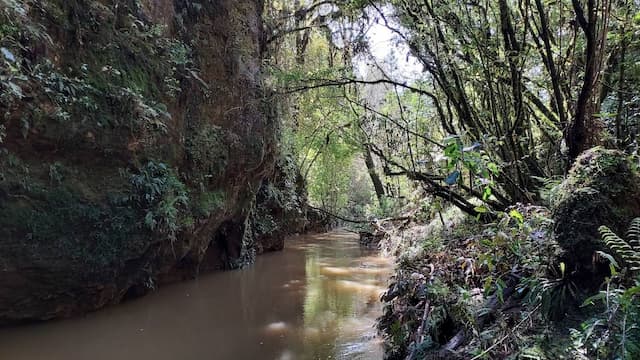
(161, 195)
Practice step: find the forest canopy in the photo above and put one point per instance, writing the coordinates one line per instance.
(492, 101)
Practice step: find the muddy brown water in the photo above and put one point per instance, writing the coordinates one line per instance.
(317, 299)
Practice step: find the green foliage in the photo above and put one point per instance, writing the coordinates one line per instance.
(459, 275)
(100, 235)
(548, 191)
(116, 72)
(158, 192)
(613, 332)
(627, 250)
(279, 201)
(556, 296)
(208, 202)
(319, 128)
(328, 182)
(208, 151)
(484, 121)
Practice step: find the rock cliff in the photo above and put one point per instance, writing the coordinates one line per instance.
(133, 138)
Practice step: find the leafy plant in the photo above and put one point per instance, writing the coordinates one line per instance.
(556, 295)
(614, 332)
(158, 192)
(627, 250)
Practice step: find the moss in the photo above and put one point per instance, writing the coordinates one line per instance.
(208, 151)
(57, 224)
(602, 189)
(208, 202)
(590, 170)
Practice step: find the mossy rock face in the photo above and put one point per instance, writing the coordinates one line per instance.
(281, 207)
(603, 188)
(133, 137)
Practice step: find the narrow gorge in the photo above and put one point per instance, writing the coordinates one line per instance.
(319, 179)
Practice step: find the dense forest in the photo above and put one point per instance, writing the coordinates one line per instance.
(493, 144)
(491, 147)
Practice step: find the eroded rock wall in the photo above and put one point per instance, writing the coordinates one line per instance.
(134, 135)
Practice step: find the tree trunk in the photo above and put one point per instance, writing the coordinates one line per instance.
(578, 135)
(375, 178)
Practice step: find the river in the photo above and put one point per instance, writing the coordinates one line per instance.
(317, 299)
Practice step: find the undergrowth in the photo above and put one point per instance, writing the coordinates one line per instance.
(468, 290)
(471, 280)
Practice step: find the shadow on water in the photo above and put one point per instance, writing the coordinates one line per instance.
(317, 299)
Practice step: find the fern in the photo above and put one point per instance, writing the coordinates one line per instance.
(627, 250)
(634, 234)
(613, 333)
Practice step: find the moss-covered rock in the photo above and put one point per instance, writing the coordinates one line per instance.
(603, 188)
(281, 207)
(133, 137)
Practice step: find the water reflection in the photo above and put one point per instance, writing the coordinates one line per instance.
(318, 299)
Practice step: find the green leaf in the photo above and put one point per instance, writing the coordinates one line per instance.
(486, 194)
(611, 259)
(592, 300)
(481, 209)
(517, 215)
(493, 167)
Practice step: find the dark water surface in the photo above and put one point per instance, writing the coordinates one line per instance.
(318, 299)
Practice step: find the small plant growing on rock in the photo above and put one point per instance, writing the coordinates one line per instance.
(158, 191)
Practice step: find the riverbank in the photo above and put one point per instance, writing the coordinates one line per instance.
(460, 285)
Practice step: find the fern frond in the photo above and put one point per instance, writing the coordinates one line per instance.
(622, 248)
(633, 235)
(614, 242)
